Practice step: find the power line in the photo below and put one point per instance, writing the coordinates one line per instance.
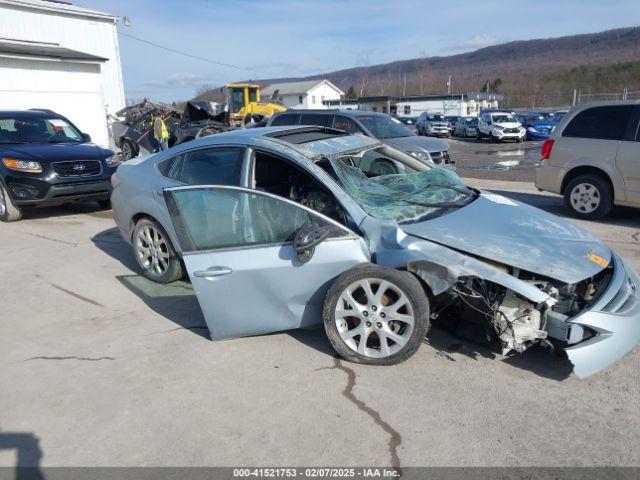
(184, 53)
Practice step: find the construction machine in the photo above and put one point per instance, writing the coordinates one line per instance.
(245, 106)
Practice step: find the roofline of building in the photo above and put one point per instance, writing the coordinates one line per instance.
(318, 82)
(54, 52)
(69, 9)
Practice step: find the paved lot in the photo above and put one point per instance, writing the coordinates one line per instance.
(101, 367)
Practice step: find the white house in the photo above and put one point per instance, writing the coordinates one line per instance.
(61, 57)
(449, 104)
(307, 94)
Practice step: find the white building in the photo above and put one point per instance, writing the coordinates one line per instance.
(61, 57)
(451, 104)
(307, 94)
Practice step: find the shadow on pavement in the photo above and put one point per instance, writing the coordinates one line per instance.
(28, 454)
(620, 216)
(68, 209)
(175, 301)
(111, 243)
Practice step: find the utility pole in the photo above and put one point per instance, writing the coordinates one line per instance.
(449, 85)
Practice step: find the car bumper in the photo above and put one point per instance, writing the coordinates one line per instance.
(509, 136)
(47, 189)
(549, 178)
(537, 135)
(615, 318)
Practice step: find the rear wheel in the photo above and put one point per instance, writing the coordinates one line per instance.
(375, 315)
(8, 211)
(589, 196)
(154, 253)
(478, 136)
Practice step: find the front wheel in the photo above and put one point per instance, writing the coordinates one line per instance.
(589, 197)
(375, 315)
(154, 253)
(127, 150)
(8, 211)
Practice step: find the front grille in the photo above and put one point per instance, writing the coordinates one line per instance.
(624, 299)
(78, 168)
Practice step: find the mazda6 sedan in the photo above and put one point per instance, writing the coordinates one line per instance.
(282, 228)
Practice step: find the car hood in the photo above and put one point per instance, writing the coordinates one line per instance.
(414, 142)
(508, 124)
(509, 232)
(541, 126)
(55, 151)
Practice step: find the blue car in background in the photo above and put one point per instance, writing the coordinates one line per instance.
(538, 125)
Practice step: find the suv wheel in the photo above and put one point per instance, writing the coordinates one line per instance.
(478, 135)
(589, 196)
(8, 211)
(154, 253)
(375, 315)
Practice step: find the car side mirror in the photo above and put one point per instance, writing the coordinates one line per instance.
(86, 137)
(308, 238)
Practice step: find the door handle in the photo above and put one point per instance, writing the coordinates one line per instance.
(212, 272)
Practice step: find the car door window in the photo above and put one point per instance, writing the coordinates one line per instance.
(208, 166)
(286, 119)
(315, 119)
(222, 218)
(346, 124)
(606, 123)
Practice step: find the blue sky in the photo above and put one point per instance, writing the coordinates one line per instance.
(297, 38)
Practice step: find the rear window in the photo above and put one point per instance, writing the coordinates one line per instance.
(608, 123)
(315, 119)
(284, 120)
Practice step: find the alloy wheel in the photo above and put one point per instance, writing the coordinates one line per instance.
(152, 250)
(374, 318)
(127, 151)
(585, 198)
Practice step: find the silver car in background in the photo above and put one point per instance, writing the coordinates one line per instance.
(282, 228)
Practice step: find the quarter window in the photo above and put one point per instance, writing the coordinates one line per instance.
(346, 124)
(608, 123)
(284, 120)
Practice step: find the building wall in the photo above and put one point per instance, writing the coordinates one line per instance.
(318, 94)
(71, 89)
(96, 36)
(454, 106)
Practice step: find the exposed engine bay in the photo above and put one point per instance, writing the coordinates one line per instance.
(485, 312)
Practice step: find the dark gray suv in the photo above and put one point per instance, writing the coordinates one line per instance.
(372, 124)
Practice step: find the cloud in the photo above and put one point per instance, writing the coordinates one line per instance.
(472, 43)
(178, 80)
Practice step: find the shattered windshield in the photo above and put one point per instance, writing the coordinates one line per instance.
(390, 187)
(383, 126)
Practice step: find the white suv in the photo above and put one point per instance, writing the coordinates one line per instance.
(500, 126)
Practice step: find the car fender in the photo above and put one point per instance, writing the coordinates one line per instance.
(608, 168)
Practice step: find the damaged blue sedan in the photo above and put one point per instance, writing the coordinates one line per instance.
(282, 228)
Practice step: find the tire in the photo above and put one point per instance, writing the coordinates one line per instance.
(382, 167)
(9, 212)
(127, 150)
(492, 139)
(104, 204)
(589, 196)
(478, 136)
(164, 265)
(375, 315)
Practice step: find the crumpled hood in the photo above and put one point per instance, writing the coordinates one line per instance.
(541, 126)
(44, 152)
(509, 232)
(414, 142)
(508, 124)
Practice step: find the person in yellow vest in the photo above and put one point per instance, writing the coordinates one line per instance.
(160, 133)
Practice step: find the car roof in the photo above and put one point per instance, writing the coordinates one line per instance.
(33, 113)
(333, 111)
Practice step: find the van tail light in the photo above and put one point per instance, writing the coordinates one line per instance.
(546, 148)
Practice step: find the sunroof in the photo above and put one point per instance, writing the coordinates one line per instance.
(298, 137)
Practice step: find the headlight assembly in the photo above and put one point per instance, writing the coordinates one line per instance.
(22, 165)
(422, 156)
(112, 161)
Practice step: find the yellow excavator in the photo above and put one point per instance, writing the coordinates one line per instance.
(245, 106)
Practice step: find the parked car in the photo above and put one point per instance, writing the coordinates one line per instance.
(592, 158)
(537, 125)
(47, 160)
(433, 124)
(499, 127)
(409, 122)
(372, 124)
(466, 127)
(297, 221)
(452, 120)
